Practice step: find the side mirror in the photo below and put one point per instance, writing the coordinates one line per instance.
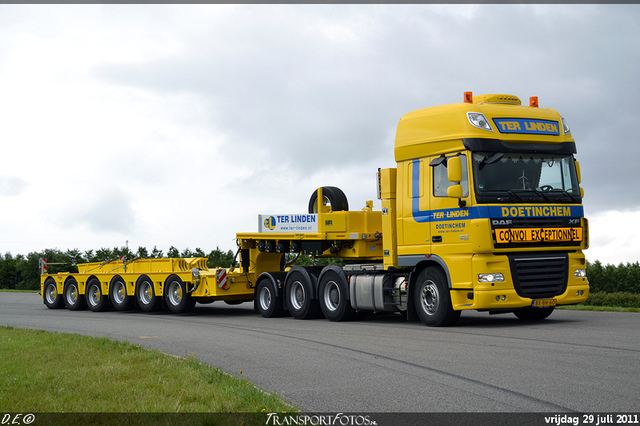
(454, 169)
(454, 174)
(579, 178)
(454, 191)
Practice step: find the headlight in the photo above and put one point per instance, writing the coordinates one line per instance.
(479, 120)
(580, 273)
(491, 278)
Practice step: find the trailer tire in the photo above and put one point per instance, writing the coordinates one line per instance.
(118, 294)
(72, 297)
(332, 294)
(267, 302)
(533, 314)
(176, 297)
(146, 297)
(96, 301)
(52, 299)
(332, 196)
(433, 300)
(299, 293)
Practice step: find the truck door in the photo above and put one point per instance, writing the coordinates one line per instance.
(415, 211)
(449, 221)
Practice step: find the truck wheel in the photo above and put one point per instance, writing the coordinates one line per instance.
(118, 294)
(72, 297)
(96, 301)
(332, 293)
(176, 297)
(299, 301)
(533, 314)
(332, 196)
(268, 304)
(52, 299)
(145, 295)
(433, 300)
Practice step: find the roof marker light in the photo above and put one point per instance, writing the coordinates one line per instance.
(533, 102)
(468, 97)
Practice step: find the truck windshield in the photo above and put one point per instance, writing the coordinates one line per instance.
(520, 177)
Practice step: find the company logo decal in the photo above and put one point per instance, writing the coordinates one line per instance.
(527, 126)
(288, 223)
(270, 223)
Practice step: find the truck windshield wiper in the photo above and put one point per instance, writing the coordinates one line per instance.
(564, 192)
(542, 194)
(515, 194)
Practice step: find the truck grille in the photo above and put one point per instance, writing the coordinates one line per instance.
(539, 277)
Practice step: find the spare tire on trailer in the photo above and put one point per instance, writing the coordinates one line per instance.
(332, 196)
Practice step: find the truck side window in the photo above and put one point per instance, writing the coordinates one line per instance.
(441, 182)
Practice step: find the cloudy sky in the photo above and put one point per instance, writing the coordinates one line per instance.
(177, 125)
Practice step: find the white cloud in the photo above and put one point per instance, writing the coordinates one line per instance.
(12, 186)
(614, 237)
(178, 124)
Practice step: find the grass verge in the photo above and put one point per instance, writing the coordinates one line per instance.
(597, 308)
(54, 373)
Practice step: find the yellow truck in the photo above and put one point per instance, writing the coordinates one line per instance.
(483, 212)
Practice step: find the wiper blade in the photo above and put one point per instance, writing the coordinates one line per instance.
(515, 194)
(564, 192)
(541, 193)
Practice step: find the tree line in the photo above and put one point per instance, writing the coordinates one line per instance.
(22, 272)
(624, 278)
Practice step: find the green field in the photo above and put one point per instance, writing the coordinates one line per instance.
(45, 372)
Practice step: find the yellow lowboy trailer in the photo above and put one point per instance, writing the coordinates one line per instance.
(483, 211)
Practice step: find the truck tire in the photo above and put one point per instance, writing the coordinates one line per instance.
(533, 314)
(299, 291)
(332, 196)
(118, 294)
(433, 300)
(72, 297)
(145, 295)
(96, 301)
(267, 303)
(176, 297)
(52, 299)
(332, 294)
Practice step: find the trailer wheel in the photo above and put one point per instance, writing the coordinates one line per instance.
(72, 297)
(332, 196)
(96, 301)
(533, 314)
(52, 299)
(433, 300)
(145, 295)
(299, 297)
(268, 304)
(332, 293)
(118, 294)
(177, 298)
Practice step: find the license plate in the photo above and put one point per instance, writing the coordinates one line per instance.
(544, 302)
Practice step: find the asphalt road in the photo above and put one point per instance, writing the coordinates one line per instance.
(573, 361)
